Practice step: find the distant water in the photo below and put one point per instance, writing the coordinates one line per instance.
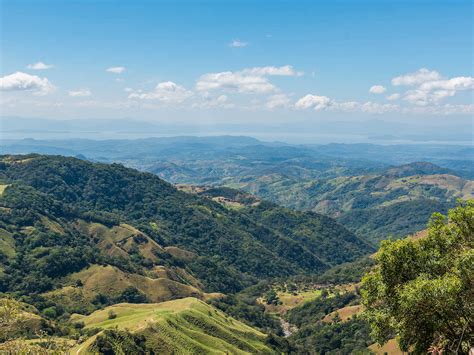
(293, 138)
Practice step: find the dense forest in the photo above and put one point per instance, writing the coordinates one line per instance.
(229, 241)
(84, 245)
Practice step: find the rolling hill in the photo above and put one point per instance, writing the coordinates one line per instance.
(184, 326)
(397, 201)
(60, 217)
(95, 239)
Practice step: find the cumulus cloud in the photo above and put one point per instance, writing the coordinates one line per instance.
(437, 90)
(20, 81)
(167, 92)
(238, 44)
(429, 87)
(80, 93)
(319, 103)
(39, 66)
(249, 80)
(377, 89)
(115, 70)
(278, 101)
(314, 101)
(419, 77)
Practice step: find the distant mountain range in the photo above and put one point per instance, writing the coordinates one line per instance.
(322, 132)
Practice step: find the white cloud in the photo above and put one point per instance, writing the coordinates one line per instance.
(419, 77)
(430, 87)
(314, 101)
(238, 44)
(437, 90)
(249, 80)
(39, 66)
(20, 81)
(167, 91)
(377, 89)
(234, 81)
(393, 97)
(348, 106)
(80, 93)
(278, 101)
(319, 103)
(115, 70)
(453, 84)
(286, 70)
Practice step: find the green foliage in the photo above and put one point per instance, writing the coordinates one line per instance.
(271, 297)
(48, 194)
(349, 337)
(112, 315)
(397, 220)
(50, 312)
(183, 326)
(132, 295)
(312, 230)
(351, 272)
(313, 311)
(315, 336)
(244, 307)
(421, 291)
(113, 342)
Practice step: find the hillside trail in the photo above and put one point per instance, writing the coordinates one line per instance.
(286, 327)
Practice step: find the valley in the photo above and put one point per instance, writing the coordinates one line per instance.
(78, 237)
(236, 177)
(95, 256)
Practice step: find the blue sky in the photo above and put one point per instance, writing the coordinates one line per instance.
(241, 61)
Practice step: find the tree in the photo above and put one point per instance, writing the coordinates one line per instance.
(272, 297)
(132, 295)
(422, 290)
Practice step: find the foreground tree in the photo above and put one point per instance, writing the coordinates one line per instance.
(422, 289)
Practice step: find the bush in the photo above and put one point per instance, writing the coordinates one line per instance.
(112, 315)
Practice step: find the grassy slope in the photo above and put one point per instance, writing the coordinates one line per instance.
(110, 280)
(184, 326)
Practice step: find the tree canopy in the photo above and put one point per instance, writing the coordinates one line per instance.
(422, 289)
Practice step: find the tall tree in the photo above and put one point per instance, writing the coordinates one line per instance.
(422, 289)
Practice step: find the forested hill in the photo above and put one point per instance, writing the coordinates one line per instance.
(223, 248)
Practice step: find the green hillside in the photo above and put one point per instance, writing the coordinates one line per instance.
(396, 202)
(362, 185)
(78, 238)
(91, 230)
(185, 326)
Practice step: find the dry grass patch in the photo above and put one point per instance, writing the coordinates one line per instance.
(344, 314)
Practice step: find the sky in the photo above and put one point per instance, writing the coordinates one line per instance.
(242, 62)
